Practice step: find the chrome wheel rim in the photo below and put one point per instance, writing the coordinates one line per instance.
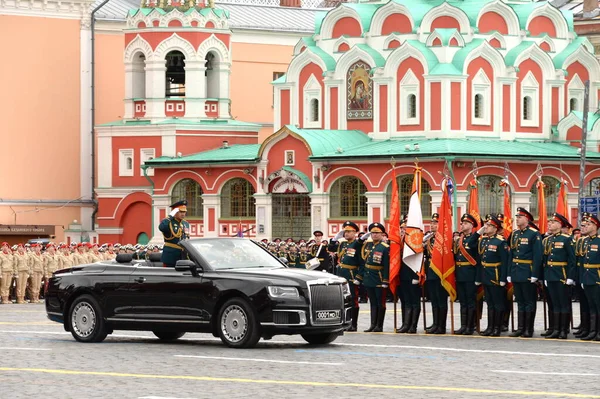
(234, 323)
(83, 319)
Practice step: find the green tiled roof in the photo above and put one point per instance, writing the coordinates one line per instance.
(512, 55)
(479, 148)
(418, 9)
(379, 60)
(461, 55)
(445, 35)
(365, 11)
(281, 79)
(327, 59)
(186, 122)
(305, 179)
(445, 69)
(524, 10)
(592, 118)
(202, 11)
(430, 56)
(237, 153)
(560, 58)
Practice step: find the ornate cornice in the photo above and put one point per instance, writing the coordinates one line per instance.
(72, 9)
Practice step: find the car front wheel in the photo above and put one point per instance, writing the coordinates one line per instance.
(238, 326)
(320, 339)
(85, 320)
(168, 335)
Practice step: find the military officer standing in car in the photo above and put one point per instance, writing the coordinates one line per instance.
(375, 274)
(349, 255)
(322, 255)
(524, 270)
(174, 229)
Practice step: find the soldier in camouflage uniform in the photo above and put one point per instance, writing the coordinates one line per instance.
(7, 272)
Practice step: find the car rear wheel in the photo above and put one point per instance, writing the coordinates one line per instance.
(85, 320)
(320, 339)
(168, 335)
(238, 326)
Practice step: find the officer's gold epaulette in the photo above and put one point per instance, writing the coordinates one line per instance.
(532, 229)
(566, 235)
(500, 237)
(385, 244)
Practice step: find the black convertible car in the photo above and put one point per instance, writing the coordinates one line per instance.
(230, 287)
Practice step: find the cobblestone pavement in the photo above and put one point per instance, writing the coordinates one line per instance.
(39, 359)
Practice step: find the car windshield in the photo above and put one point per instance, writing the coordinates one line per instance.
(234, 253)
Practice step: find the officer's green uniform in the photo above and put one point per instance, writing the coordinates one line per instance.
(590, 278)
(559, 266)
(525, 264)
(584, 307)
(374, 275)
(437, 292)
(173, 231)
(349, 255)
(491, 272)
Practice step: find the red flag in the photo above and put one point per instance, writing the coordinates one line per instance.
(562, 205)
(394, 236)
(473, 206)
(507, 224)
(442, 258)
(543, 215)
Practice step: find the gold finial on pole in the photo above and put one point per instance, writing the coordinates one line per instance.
(393, 162)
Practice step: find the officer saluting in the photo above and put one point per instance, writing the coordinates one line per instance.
(174, 229)
(349, 255)
(375, 275)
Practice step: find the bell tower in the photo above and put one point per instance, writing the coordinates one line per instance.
(177, 61)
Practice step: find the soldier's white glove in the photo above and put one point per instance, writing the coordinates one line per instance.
(174, 212)
(546, 283)
(534, 280)
(581, 285)
(415, 282)
(339, 235)
(508, 279)
(477, 283)
(356, 282)
(480, 231)
(502, 283)
(570, 282)
(384, 285)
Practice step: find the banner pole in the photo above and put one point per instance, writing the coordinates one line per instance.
(451, 315)
(423, 305)
(395, 314)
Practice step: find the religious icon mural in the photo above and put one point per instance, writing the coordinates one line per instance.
(359, 91)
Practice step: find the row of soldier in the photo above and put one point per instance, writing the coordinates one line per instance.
(23, 267)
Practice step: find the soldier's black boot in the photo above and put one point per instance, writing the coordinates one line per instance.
(556, 327)
(354, 319)
(551, 325)
(374, 314)
(414, 320)
(490, 327)
(380, 320)
(463, 321)
(505, 320)
(520, 325)
(584, 326)
(406, 317)
(593, 328)
(565, 320)
(528, 326)
(498, 319)
(434, 326)
(441, 321)
(470, 321)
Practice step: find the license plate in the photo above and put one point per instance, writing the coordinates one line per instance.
(328, 314)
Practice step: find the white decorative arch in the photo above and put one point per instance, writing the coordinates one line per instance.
(488, 53)
(335, 15)
(137, 45)
(390, 38)
(498, 37)
(387, 176)
(506, 12)
(540, 57)
(350, 57)
(174, 14)
(175, 42)
(575, 90)
(436, 35)
(249, 178)
(301, 43)
(214, 44)
(446, 9)
(339, 176)
(170, 185)
(548, 40)
(133, 21)
(587, 59)
(385, 11)
(340, 41)
(559, 21)
(406, 50)
(302, 60)
(573, 120)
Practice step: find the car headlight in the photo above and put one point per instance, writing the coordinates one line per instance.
(346, 289)
(283, 292)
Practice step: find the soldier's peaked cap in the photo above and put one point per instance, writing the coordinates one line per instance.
(317, 232)
(182, 205)
(594, 219)
(560, 218)
(350, 226)
(435, 217)
(376, 228)
(524, 212)
(469, 218)
(496, 220)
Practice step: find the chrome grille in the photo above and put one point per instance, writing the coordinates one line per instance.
(326, 298)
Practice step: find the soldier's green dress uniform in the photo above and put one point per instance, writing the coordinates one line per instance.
(525, 265)
(491, 272)
(437, 293)
(173, 231)
(590, 278)
(466, 258)
(584, 307)
(349, 255)
(374, 275)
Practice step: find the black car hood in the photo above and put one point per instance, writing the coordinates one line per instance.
(283, 273)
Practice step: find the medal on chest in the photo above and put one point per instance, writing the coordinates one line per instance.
(350, 252)
(524, 241)
(377, 257)
(492, 248)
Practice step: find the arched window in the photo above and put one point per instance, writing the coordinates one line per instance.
(129, 163)
(212, 75)
(347, 198)
(491, 195)
(139, 76)
(405, 183)
(550, 194)
(478, 104)
(189, 190)
(237, 199)
(314, 110)
(527, 111)
(175, 74)
(412, 106)
(593, 188)
(573, 104)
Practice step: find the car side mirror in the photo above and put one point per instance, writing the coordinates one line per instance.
(187, 265)
(283, 260)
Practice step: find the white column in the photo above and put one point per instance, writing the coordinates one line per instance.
(224, 98)
(319, 206)
(195, 89)
(129, 79)
(436, 200)
(104, 152)
(375, 200)
(85, 113)
(160, 202)
(211, 201)
(264, 203)
(155, 89)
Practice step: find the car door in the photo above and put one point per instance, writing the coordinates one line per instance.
(165, 295)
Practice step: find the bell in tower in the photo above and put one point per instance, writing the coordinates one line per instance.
(175, 74)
